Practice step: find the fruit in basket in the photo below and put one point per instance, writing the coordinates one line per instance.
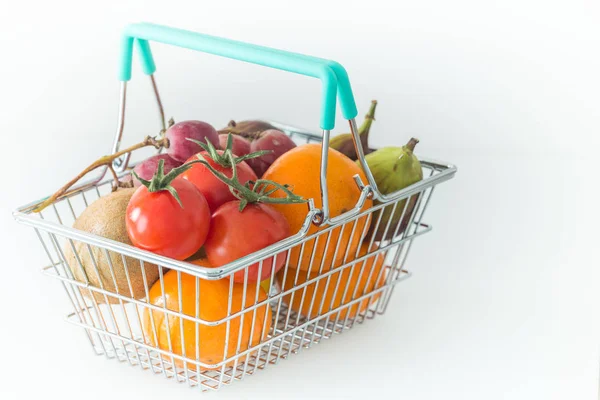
(344, 286)
(394, 168)
(209, 344)
(181, 147)
(126, 181)
(344, 142)
(249, 224)
(147, 168)
(266, 285)
(235, 234)
(250, 129)
(300, 168)
(274, 141)
(214, 190)
(105, 217)
(168, 215)
(200, 254)
(158, 142)
(202, 261)
(241, 146)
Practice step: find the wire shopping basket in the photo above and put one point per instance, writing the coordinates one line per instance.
(183, 337)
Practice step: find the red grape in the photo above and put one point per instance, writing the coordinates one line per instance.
(274, 140)
(180, 148)
(241, 146)
(214, 190)
(147, 168)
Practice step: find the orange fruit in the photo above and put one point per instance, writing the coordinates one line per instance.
(203, 262)
(209, 344)
(325, 297)
(301, 168)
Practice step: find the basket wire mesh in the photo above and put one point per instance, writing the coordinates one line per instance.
(114, 319)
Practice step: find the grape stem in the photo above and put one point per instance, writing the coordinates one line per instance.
(159, 142)
(246, 135)
(115, 177)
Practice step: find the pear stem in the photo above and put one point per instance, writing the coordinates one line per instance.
(366, 125)
(363, 131)
(412, 143)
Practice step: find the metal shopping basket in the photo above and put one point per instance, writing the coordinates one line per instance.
(261, 330)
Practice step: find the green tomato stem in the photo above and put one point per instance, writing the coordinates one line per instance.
(222, 159)
(258, 193)
(160, 181)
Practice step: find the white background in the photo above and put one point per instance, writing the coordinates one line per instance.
(504, 299)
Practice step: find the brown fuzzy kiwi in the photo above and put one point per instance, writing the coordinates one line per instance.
(106, 217)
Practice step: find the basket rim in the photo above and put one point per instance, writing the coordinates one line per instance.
(24, 215)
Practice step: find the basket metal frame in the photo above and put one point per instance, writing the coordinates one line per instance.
(317, 216)
(117, 332)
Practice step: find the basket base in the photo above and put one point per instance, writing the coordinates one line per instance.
(137, 354)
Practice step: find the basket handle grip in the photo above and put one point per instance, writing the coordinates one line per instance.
(332, 75)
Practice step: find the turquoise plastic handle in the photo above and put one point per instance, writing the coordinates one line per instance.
(332, 75)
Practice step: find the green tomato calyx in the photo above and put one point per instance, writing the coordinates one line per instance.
(160, 181)
(252, 192)
(224, 159)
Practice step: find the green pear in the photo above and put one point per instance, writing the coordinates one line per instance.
(394, 168)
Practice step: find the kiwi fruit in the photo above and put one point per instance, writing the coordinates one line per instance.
(106, 217)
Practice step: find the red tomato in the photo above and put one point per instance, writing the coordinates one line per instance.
(157, 223)
(215, 191)
(235, 234)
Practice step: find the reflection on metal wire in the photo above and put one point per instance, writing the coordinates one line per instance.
(115, 321)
